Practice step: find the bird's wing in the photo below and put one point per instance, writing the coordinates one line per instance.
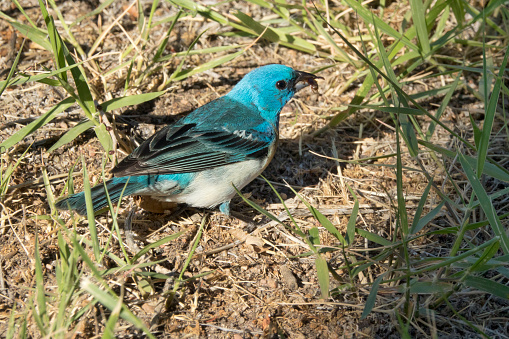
(191, 147)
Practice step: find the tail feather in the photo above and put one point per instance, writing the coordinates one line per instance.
(115, 187)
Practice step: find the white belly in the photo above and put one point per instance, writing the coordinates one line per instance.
(213, 187)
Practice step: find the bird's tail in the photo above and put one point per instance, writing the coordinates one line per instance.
(114, 186)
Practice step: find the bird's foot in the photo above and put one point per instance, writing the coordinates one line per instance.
(250, 223)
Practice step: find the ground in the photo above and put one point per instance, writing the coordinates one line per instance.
(259, 284)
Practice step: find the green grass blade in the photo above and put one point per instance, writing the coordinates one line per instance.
(110, 302)
(319, 28)
(11, 325)
(247, 25)
(41, 121)
(128, 267)
(130, 100)
(72, 134)
(487, 255)
(487, 285)
(4, 83)
(443, 106)
(96, 11)
(6, 176)
(164, 43)
(181, 75)
(448, 261)
(322, 271)
(67, 284)
(420, 207)
(493, 170)
(350, 227)
(395, 110)
(442, 24)
(477, 131)
(402, 212)
(193, 248)
(370, 301)
(490, 110)
(368, 17)
(373, 237)
(109, 328)
(114, 212)
(36, 35)
(156, 244)
(62, 56)
(202, 51)
(485, 203)
(70, 36)
(408, 132)
(49, 193)
(189, 257)
(41, 293)
(275, 35)
(484, 15)
(104, 138)
(322, 219)
(419, 18)
(359, 97)
(42, 78)
(259, 208)
(426, 219)
(22, 10)
(55, 39)
(459, 11)
(84, 93)
(314, 235)
(141, 16)
(77, 242)
(427, 287)
(341, 116)
(151, 17)
(181, 64)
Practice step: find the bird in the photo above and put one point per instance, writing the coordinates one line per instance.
(200, 159)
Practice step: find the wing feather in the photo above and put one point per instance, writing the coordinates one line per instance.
(191, 148)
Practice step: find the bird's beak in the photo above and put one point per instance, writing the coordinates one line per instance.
(304, 80)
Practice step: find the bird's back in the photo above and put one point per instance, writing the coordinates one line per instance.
(222, 132)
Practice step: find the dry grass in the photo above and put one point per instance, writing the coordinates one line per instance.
(442, 275)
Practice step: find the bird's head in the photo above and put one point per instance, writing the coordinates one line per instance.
(270, 87)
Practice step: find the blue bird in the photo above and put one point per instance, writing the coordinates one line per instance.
(198, 159)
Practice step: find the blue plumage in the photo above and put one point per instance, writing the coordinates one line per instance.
(196, 160)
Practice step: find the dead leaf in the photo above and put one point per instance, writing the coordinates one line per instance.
(244, 236)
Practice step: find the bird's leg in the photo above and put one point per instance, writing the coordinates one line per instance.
(225, 208)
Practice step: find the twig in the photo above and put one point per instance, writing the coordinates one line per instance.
(230, 330)
(40, 181)
(128, 223)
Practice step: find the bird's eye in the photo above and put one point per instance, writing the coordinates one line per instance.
(281, 84)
